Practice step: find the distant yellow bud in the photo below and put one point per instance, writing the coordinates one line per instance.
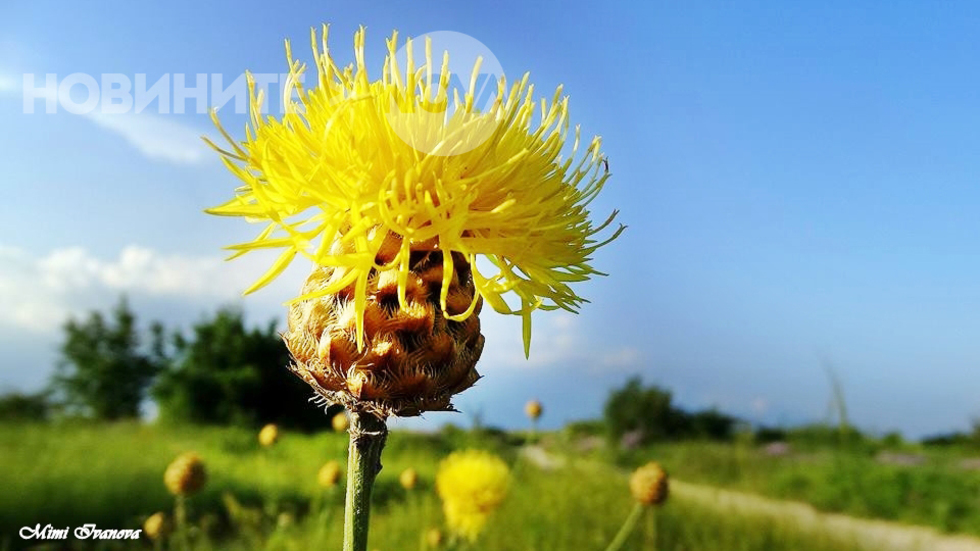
(433, 538)
(533, 409)
(649, 484)
(156, 526)
(185, 475)
(329, 474)
(340, 422)
(409, 478)
(269, 435)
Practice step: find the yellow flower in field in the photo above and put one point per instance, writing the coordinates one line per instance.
(185, 475)
(649, 484)
(408, 479)
(269, 435)
(472, 484)
(433, 538)
(329, 474)
(340, 422)
(156, 526)
(335, 180)
(533, 409)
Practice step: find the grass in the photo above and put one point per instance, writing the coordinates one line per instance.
(938, 492)
(111, 475)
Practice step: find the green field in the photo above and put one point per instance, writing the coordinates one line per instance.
(940, 489)
(111, 475)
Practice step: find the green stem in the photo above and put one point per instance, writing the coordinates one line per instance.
(367, 438)
(627, 529)
(180, 520)
(651, 535)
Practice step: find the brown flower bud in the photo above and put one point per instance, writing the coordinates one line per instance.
(185, 475)
(649, 485)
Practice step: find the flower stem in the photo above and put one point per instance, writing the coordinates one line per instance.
(367, 438)
(627, 529)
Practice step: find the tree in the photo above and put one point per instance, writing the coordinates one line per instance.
(229, 374)
(637, 408)
(18, 406)
(103, 371)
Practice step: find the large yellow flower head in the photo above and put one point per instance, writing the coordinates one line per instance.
(472, 484)
(354, 161)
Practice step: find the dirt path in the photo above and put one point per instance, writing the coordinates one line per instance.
(870, 534)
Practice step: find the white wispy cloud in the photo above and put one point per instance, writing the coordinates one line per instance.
(39, 293)
(559, 339)
(156, 137)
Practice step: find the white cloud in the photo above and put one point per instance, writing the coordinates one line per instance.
(558, 339)
(625, 357)
(38, 294)
(155, 136)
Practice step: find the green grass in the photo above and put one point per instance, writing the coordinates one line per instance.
(112, 475)
(936, 493)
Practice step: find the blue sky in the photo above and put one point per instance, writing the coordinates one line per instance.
(799, 181)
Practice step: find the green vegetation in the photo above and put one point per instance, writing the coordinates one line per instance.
(216, 384)
(112, 475)
(931, 487)
(104, 371)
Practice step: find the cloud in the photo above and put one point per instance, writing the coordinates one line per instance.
(558, 340)
(155, 136)
(625, 357)
(38, 294)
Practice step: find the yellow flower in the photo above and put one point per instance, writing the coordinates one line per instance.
(329, 474)
(156, 526)
(409, 478)
(472, 484)
(533, 409)
(269, 435)
(335, 178)
(185, 475)
(649, 484)
(433, 538)
(340, 422)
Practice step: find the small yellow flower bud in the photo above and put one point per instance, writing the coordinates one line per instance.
(156, 526)
(185, 475)
(433, 538)
(329, 474)
(269, 435)
(533, 409)
(409, 478)
(649, 485)
(340, 422)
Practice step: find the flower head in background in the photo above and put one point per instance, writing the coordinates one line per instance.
(394, 206)
(649, 484)
(533, 409)
(156, 526)
(409, 478)
(340, 422)
(185, 475)
(269, 435)
(471, 484)
(329, 474)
